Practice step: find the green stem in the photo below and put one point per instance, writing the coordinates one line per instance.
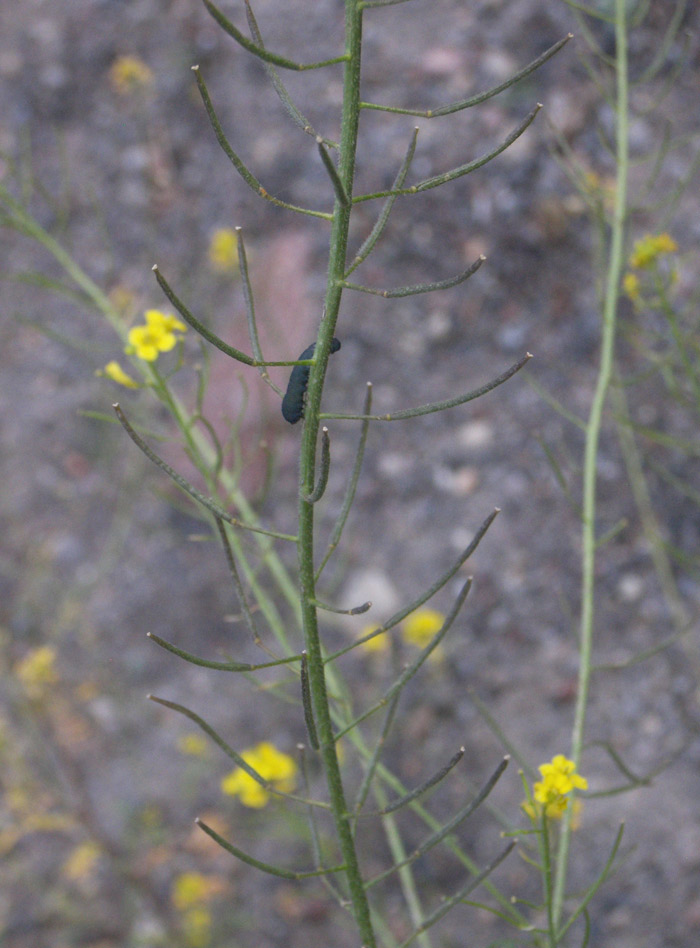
(334, 289)
(614, 271)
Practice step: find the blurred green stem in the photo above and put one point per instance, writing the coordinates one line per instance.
(614, 270)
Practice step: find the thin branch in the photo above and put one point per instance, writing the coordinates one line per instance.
(250, 313)
(247, 175)
(460, 171)
(306, 702)
(199, 327)
(447, 904)
(260, 51)
(188, 488)
(230, 752)
(352, 485)
(374, 760)
(240, 592)
(291, 109)
(437, 406)
(376, 232)
(325, 467)
(355, 611)
(448, 827)
(218, 666)
(367, 4)
(428, 594)
(257, 864)
(424, 787)
(414, 667)
(480, 97)
(338, 186)
(418, 287)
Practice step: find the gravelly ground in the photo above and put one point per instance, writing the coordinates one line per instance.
(92, 559)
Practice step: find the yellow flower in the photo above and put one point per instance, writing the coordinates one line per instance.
(157, 335)
(129, 73)
(37, 670)
(421, 626)
(223, 249)
(82, 861)
(380, 643)
(193, 745)
(630, 284)
(272, 765)
(196, 924)
(194, 888)
(116, 373)
(559, 778)
(647, 251)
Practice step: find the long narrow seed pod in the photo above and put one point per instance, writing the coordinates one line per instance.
(417, 288)
(263, 866)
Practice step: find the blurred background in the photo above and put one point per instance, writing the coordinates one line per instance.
(104, 133)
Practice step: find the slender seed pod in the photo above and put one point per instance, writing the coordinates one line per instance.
(293, 401)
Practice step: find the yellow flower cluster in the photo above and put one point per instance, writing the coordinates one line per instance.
(128, 74)
(194, 888)
(191, 893)
(559, 778)
(158, 334)
(82, 862)
(37, 671)
(223, 249)
(193, 745)
(418, 629)
(645, 255)
(277, 768)
(648, 250)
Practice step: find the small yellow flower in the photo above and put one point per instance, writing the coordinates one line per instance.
(196, 925)
(117, 374)
(379, 643)
(274, 766)
(82, 862)
(168, 322)
(421, 626)
(630, 284)
(37, 670)
(550, 794)
(223, 249)
(128, 74)
(647, 251)
(157, 335)
(194, 888)
(194, 745)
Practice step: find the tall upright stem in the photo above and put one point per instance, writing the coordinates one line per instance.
(605, 371)
(336, 270)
